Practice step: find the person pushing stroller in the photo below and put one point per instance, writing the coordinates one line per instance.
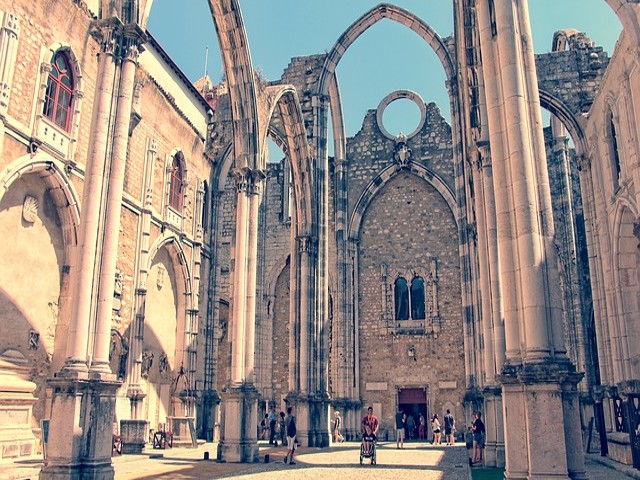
(370, 427)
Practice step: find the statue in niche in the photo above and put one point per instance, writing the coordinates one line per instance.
(402, 153)
(118, 354)
(117, 284)
(34, 340)
(160, 278)
(163, 364)
(147, 362)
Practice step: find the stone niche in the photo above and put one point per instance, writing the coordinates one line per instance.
(16, 406)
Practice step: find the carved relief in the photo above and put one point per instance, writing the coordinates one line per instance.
(163, 364)
(147, 362)
(402, 153)
(118, 354)
(30, 209)
(34, 340)
(160, 278)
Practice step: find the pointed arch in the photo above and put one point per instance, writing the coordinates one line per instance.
(559, 109)
(628, 12)
(173, 245)
(66, 199)
(285, 99)
(384, 177)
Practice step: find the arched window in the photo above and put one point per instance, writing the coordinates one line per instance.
(417, 299)
(59, 94)
(614, 154)
(401, 291)
(175, 189)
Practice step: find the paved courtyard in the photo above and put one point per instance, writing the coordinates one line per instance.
(416, 461)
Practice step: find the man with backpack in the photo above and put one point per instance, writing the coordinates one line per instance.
(290, 423)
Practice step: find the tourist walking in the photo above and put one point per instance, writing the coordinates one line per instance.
(401, 419)
(449, 428)
(478, 430)
(435, 428)
(292, 431)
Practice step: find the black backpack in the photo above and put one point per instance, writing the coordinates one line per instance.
(291, 428)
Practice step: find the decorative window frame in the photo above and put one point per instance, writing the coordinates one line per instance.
(47, 134)
(172, 217)
(432, 324)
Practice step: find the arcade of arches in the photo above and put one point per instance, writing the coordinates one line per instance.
(177, 281)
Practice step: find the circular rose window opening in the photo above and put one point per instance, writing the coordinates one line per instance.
(402, 111)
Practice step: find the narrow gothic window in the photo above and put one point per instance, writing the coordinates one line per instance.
(205, 207)
(175, 190)
(401, 291)
(417, 299)
(59, 94)
(615, 155)
(492, 18)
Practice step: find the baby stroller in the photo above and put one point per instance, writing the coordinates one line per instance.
(371, 454)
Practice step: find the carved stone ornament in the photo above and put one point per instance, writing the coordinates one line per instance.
(402, 153)
(34, 340)
(30, 209)
(160, 279)
(147, 362)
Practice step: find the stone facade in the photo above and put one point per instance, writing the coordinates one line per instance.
(176, 275)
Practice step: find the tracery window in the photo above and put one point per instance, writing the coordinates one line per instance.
(175, 188)
(417, 299)
(401, 294)
(59, 93)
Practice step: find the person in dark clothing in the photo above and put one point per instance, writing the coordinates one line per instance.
(478, 430)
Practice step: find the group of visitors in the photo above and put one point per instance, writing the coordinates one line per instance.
(285, 427)
(280, 427)
(406, 424)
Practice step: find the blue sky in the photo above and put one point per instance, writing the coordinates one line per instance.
(385, 58)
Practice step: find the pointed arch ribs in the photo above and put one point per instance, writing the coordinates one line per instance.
(378, 183)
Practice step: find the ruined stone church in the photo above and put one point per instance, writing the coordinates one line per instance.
(159, 274)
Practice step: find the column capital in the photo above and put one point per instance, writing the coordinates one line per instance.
(248, 180)
(306, 243)
(106, 32)
(584, 162)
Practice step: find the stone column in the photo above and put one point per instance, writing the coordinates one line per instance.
(9, 33)
(240, 442)
(82, 409)
(132, 40)
(536, 367)
(107, 33)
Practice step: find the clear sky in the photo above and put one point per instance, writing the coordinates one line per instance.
(385, 58)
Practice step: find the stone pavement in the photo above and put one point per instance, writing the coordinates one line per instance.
(415, 461)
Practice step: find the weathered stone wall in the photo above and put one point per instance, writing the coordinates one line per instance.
(573, 76)
(406, 225)
(368, 152)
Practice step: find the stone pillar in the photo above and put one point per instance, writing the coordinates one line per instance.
(80, 432)
(240, 441)
(493, 419)
(106, 32)
(83, 403)
(132, 39)
(536, 367)
(134, 390)
(572, 427)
